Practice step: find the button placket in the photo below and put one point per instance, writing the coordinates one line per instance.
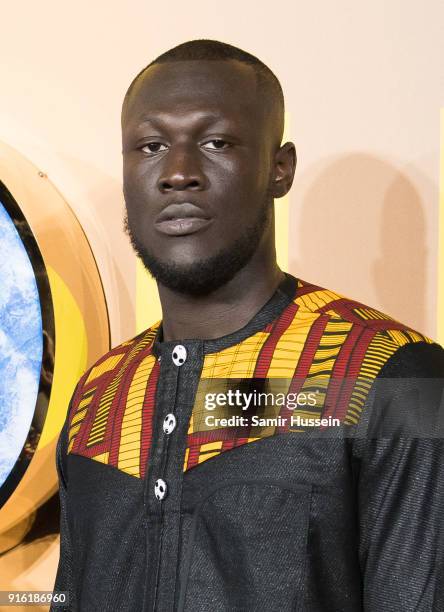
(175, 399)
(179, 356)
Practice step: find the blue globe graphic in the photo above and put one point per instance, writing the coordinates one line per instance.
(21, 344)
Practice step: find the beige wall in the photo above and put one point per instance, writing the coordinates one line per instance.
(363, 83)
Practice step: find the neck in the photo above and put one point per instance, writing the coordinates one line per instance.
(225, 310)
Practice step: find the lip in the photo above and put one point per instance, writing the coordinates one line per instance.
(182, 227)
(181, 219)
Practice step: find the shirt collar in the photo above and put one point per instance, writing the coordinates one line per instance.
(284, 295)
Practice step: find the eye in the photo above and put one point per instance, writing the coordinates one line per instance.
(153, 147)
(216, 144)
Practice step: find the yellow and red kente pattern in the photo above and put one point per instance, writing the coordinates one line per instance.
(320, 338)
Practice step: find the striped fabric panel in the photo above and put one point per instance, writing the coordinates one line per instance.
(78, 416)
(319, 374)
(237, 361)
(317, 300)
(368, 314)
(336, 356)
(288, 337)
(290, 345)
(322, 342)
(301, 373)
(114, 431)
(209, 450)
(341, 387)
(92, 437)
(330, 344)
(404, 336)
(383, 345)
(272, 349)
(148, 408)
(101, 417)
(271, 354)
(105, 366)
(102, 457)
(131, 429)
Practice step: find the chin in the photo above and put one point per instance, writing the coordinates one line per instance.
(186, 251)
(197, 278)
(193, 268)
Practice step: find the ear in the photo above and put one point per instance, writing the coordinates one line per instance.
(284, 168)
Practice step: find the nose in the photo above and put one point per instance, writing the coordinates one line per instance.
(181, 171)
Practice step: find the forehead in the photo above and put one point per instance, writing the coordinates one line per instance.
(227, 88)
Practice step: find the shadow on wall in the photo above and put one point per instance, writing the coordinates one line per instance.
(360, 230)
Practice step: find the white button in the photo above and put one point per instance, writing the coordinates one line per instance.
(169, 423)
(179, 355)
(160, 489)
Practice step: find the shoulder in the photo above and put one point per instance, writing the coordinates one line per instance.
(316, 299)
(369, 333)
(113, 365)
(382, 359)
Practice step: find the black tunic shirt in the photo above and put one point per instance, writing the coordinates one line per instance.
(165, 510)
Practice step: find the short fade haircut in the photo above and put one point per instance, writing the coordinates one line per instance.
(214, 50)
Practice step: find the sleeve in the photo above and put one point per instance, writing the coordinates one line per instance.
(64, 577)
(400, 486)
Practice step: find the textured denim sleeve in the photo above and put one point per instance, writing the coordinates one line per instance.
(64, 577)
(401, 493)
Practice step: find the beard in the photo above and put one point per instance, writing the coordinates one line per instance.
(204, 276)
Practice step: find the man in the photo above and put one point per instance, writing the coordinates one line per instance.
(165, 508)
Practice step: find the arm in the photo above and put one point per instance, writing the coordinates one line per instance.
(64, 577)
(400, 487)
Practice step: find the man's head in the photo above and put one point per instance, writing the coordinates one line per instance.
(201, 130)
